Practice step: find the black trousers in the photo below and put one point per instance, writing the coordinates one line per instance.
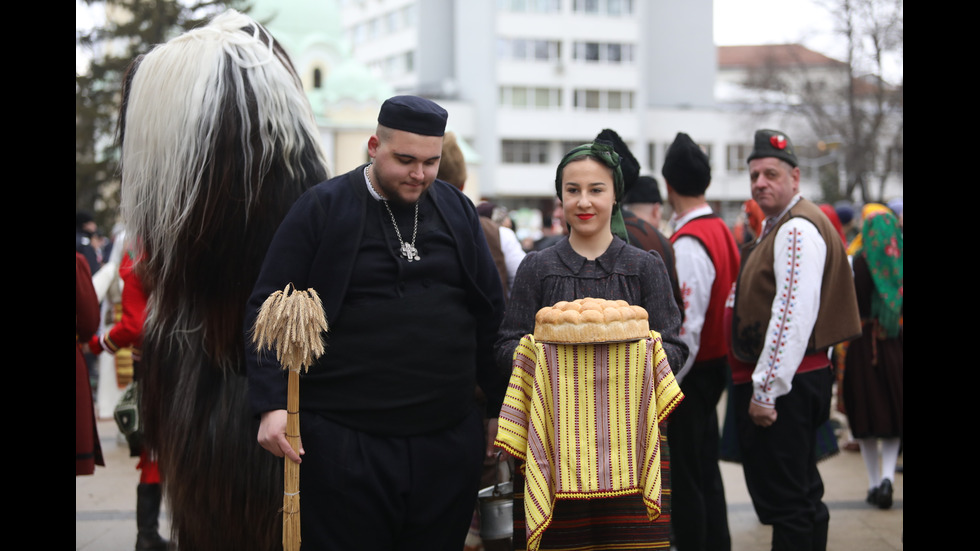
(780, 462)
(699, 514)
(369, 492)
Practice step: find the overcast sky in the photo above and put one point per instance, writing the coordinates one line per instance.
(807, 22)
(772, 22)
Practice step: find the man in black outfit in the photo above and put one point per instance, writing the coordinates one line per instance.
(393, 442)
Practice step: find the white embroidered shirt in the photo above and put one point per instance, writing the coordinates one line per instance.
(696, 275)
(799, 255)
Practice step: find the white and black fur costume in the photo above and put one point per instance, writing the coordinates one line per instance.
(218, 140)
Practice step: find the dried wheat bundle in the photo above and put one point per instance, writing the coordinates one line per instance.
(292, 323)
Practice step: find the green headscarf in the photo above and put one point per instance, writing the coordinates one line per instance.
(603, 152)
(884, 250)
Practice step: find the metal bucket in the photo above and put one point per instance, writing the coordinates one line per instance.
(497, 508)
(497, 511)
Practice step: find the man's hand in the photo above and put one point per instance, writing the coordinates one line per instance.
(762, 416)
(272, 436)
(491, 436)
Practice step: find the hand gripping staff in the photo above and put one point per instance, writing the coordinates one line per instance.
(292, 323)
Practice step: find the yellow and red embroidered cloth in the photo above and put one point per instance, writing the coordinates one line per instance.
(585, 418)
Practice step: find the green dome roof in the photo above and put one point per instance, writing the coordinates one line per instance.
(312, 35)
(297, 22)
(352, 80)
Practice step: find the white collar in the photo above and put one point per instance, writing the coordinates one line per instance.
(690, 215)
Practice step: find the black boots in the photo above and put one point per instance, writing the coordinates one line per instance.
(148, 537)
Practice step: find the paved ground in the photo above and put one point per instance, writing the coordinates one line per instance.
(105, 505)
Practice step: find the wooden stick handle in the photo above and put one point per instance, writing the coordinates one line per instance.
(290, 500)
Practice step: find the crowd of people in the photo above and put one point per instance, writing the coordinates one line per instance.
(428, 298)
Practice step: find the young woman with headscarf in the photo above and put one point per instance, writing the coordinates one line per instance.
(594, 260)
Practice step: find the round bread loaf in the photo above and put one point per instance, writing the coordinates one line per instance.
(590, 320)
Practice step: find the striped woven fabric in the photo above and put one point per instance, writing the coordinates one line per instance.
(585, 419)
(607, 524)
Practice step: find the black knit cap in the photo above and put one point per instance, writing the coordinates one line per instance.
(645, 190)
(413, 114)
(773, 143)
(686, 167)
(628, 163)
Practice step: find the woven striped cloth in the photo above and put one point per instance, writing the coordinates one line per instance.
(584, 418)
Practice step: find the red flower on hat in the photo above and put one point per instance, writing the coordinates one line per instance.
(777, 141)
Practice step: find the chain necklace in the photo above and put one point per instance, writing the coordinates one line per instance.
(407, 250)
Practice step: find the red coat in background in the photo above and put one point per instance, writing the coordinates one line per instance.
(128, 331)
(88, 451)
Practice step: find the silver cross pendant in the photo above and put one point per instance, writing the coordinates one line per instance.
(410, 252)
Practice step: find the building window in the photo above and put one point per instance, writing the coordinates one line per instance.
(589, 51)
(394, 66)
(603, 100)
(619, 7)
(614, 53)
(518, 97)
(391, 21)
(736, 157)
(408, 16)
(547, 98)
(523, 49)
(590, 99)
(613, 8)
(518, 49)
(524, 151)
(617, 101)
(603, 52)
(317, 79)
(545, 50)
(522, 97)
(529, 6)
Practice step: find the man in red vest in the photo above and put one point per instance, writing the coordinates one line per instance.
(707, 266)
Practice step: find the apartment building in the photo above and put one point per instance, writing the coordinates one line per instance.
(525, 80)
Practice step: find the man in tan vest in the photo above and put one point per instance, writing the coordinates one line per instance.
(794, 299)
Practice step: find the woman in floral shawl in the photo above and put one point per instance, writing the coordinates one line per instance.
(873, 376)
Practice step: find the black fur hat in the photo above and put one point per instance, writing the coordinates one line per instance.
(686, 167)
(628, 163)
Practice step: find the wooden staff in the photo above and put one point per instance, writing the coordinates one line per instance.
(291, 322)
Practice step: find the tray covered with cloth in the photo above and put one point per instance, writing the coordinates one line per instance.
(585, 419)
